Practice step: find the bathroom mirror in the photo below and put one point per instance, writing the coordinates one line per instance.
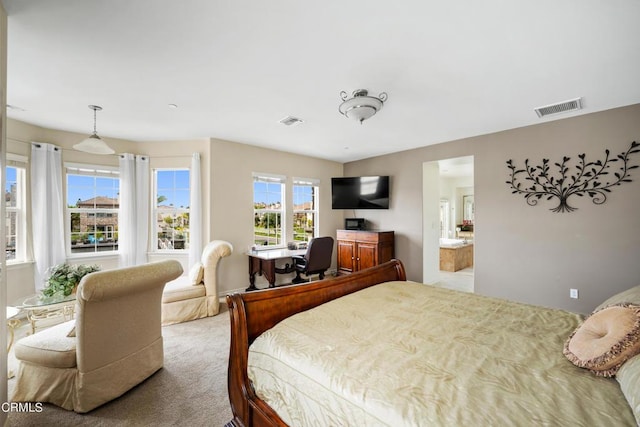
(468, 208)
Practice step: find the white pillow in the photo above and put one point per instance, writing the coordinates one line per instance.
(196, 274)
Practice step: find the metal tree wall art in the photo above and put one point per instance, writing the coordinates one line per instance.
(592, 179)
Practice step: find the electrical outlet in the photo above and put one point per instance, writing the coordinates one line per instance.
(573, 293)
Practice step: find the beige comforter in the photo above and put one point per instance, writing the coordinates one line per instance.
(408, 354)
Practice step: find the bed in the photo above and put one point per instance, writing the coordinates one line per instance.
(373, 349)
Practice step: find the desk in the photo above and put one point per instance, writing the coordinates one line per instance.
(47, 311)
(264, 263)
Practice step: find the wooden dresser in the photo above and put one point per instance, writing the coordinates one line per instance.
(360, 249)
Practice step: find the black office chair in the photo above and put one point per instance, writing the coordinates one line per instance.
(317, 259)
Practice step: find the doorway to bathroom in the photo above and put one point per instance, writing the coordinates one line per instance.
(449, 223)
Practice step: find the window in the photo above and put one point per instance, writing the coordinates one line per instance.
(92, 208)
(305, 210)
(444, 219)
(172, 196)
(268, 209)
(15, 217)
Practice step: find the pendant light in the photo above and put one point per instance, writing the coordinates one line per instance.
(93, 144)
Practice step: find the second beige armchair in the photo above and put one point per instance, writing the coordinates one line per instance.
(195, 296)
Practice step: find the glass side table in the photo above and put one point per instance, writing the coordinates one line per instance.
(43, 312)
(12, 324)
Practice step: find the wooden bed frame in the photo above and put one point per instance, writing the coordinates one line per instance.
(254, 312)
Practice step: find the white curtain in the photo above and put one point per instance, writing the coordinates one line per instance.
(133, 214)
(195, 212)
(47, 214)
(143, 193)
(127, 211)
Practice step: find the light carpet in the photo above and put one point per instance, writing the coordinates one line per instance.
(190, 390)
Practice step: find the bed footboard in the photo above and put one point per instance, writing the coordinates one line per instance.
(253, 313)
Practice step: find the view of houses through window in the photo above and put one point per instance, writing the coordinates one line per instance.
(15, 222)
(171, 209)
(92, 209)
(93, 204)
(269, 209)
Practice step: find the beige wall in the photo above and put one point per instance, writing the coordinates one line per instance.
(231, 208)
(529, 253)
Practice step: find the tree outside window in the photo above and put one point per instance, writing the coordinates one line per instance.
(305, 196)
(172, 197)
(268, 210)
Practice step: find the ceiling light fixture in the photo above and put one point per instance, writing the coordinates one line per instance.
(94, 144)
(360, 106)
(290, 120)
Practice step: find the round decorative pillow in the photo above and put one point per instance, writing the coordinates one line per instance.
(606, 339)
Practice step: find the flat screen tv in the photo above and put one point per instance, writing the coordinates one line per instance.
(360, 192)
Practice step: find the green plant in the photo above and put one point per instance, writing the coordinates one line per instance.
(63, 278)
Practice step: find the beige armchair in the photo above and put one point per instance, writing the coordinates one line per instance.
(196, 295)
(114, 343)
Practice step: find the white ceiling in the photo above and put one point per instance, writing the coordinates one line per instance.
(451, 69)
(457, 167)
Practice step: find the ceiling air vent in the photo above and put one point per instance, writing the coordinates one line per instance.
(290, 120)
(561, 107)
